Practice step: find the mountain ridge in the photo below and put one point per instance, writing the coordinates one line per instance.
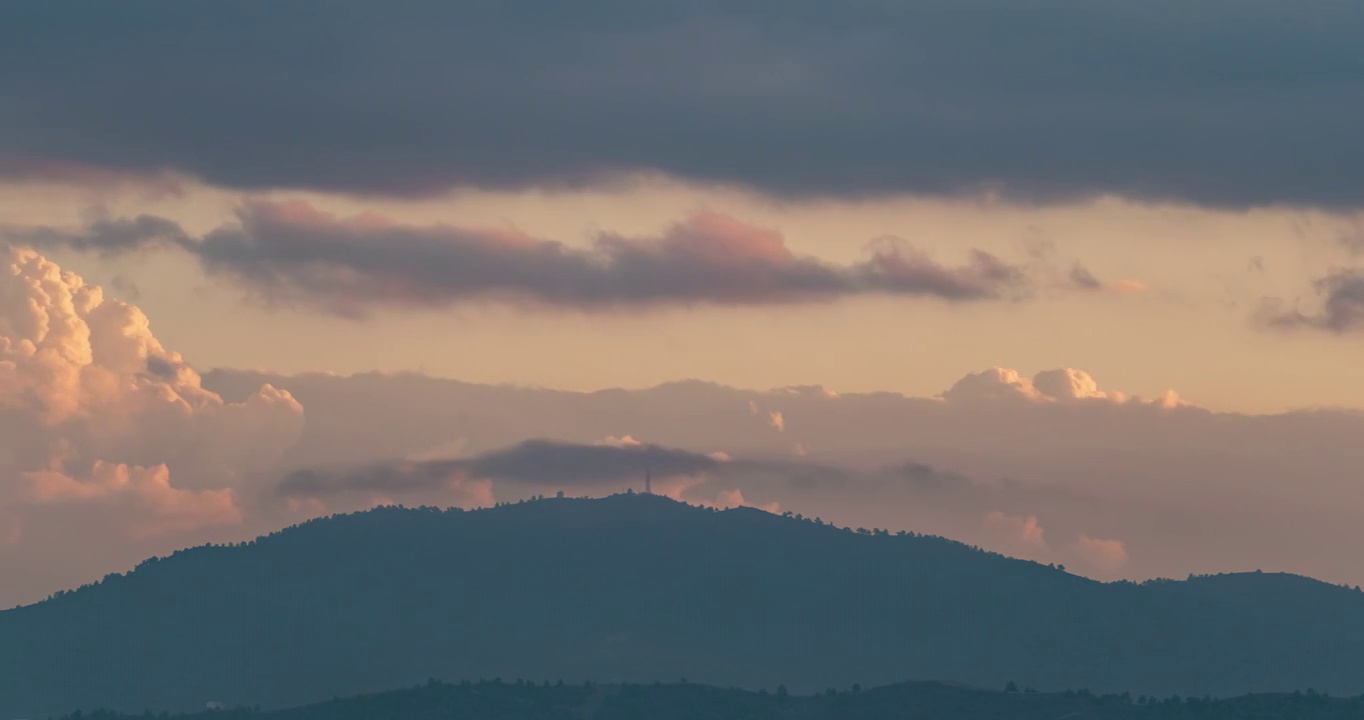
(641, 588)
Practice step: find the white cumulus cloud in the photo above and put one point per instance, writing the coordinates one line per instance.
(99, 420)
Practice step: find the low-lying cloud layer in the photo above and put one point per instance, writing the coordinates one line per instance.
(292, 253)
(541, 466)
(1217, 103)
(1148, 479)
(534, 463)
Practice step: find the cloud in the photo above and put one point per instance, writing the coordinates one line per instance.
(1067, 384)
(533, 462)
(1128, 286)
(859, 101)
(774, 418)
(104, 430)
(291, 253)
(1022, 535)
(1062, 385)
(1082, 278)
(735, 498)
(145, 493)
(1352, 236)
(602, 467)
(1081, 466)
(623, 441)
(1342, 307)
(1104, 558)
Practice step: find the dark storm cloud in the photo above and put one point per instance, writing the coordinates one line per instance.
(1342, 307)
(1224, 103)
(534, 462)
(290, 253)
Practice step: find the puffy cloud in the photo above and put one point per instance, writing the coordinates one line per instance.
(292, 253)
(145, 493)
(96, 416)
(853, 100)
(1063, 385)
(775, 419)
(735, 498)
(623, 441)
(994, 384)
(1104, 558)
(1066, 384)
(1022, 535)
(1342, 307)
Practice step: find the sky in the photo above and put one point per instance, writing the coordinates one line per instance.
(1097, 269)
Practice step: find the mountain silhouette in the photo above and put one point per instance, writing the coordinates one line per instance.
(639, 588)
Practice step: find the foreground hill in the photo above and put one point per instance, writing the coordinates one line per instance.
(496, 700)
(641, 588)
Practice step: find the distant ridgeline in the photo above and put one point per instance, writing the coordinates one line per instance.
(497, 700)
(639, 588)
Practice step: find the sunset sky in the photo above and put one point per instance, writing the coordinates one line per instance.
(1159, 206)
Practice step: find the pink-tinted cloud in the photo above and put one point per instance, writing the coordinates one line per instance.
(153, 504)
(293, 253)
(1017, 535)
(99, 421)
(1062, 385)
(1082, 278)
(1104, 558)
(1023, 536)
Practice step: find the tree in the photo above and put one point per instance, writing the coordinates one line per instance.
(1011, 687)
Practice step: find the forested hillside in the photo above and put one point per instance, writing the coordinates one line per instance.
(641, 588)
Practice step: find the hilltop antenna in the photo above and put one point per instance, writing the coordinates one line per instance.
(648, 481)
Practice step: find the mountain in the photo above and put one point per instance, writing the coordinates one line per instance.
(640, 588)
(498, 700)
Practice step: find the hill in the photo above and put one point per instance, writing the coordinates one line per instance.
(498, 700)
(640, 588)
